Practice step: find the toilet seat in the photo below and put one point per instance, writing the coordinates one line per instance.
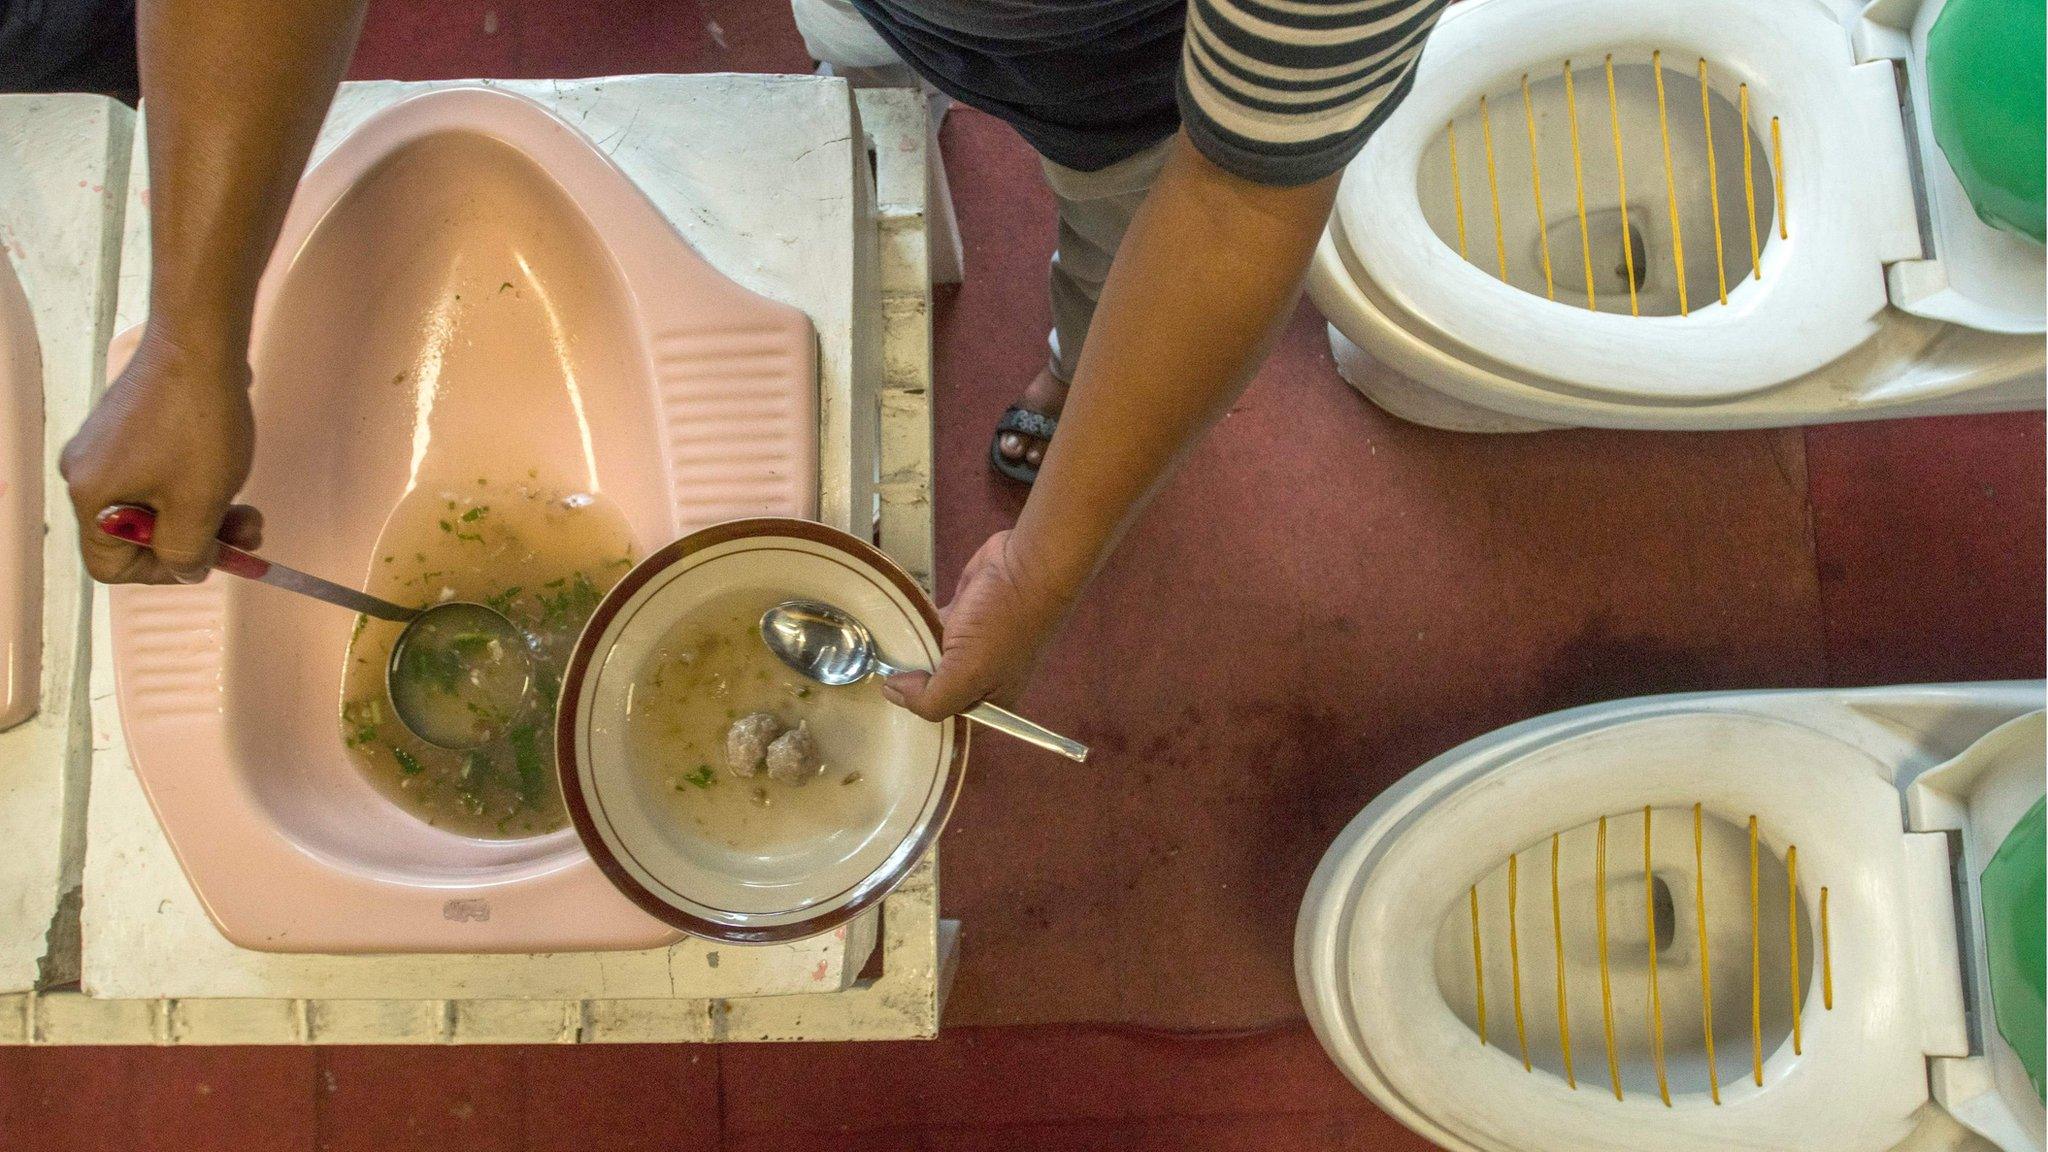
(1822, 287)
(1883, 982)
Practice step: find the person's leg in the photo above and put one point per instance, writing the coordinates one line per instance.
(1095, 208)
(840, 39)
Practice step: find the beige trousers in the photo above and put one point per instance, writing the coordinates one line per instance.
(1095, 208)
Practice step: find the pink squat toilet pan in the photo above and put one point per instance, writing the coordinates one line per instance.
(464, 288)
(21, 504)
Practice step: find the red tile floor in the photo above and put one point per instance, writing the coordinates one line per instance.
(1323, 599)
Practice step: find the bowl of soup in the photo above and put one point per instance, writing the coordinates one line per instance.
(717, 788)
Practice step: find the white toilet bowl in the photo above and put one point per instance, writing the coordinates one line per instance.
(1506, 252)
(1476, 949)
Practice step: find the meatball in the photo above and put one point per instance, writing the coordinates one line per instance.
(793, 758)
(748, 742)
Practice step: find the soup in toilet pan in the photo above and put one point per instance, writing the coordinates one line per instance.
(453, 319)
(540, 557)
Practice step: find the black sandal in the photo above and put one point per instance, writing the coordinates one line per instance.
(1036, 425)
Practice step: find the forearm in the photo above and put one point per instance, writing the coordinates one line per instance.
(235, 91)
(1207, 275)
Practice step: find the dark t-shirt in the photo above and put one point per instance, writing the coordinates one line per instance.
(1278, 91)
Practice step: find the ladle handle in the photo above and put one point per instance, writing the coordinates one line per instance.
(1010, 724)
(137, 525)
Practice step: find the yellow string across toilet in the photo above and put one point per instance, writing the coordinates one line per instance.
(1670, 183)
(1515, 962)
(1699, 891)
(1827, 962)
(1478, 965)
(1756, 965)
(1606, 986)
(1564, 1019)
(1571, 112)
(1628, 249)
(1500, 243)
(1713, 180)
(1650, 932)
(1778, 174)
(1792, 926)
(1536, 187)
(1748, 182)
(1458, 193)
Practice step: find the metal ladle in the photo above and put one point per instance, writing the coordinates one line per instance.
(455, 728)
(835, 649)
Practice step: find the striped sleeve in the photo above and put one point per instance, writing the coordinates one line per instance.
(1287, 91)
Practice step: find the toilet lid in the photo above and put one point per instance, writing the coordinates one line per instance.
(1848, 200)
(1991, 795)
(1975, 273)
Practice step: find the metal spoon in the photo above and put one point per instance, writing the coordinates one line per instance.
(444, 727)
(834, 649)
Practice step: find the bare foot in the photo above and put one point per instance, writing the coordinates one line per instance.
(1045, 395)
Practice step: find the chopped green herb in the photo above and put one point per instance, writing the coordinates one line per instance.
(472, 536)
(570, 606)
(526, 761)
(502, 601)
(471, 644)
(407, 762)
(505, 285)
(362, 718)
(447, 527)
(476, 512)
(433, 666)
(703, 777)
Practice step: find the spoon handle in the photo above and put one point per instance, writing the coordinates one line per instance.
(1005, 721)
(137, 525)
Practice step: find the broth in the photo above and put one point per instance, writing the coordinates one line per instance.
(541, 557)
(711, 670)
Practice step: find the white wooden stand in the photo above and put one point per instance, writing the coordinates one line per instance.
(797, 189)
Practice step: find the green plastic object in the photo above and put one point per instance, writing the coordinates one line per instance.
(1986, 94)
(2015, 938)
